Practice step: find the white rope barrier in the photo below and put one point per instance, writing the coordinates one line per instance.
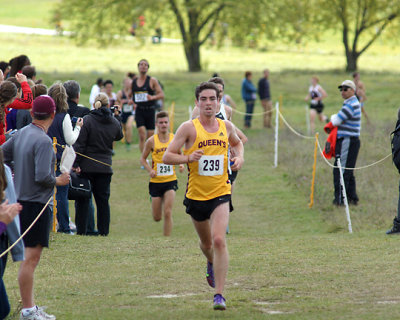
(321, 150)
(345, 168)
(253, 114)
(294, 131)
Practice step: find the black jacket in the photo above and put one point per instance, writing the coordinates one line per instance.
(76, 111)
(100, 129)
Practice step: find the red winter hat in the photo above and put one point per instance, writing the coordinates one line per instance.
(43, 105)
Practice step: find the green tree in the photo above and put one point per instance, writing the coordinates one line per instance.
(362, 23)
(103, 19)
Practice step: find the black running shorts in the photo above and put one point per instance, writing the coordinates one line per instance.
(319, 107)
(40, 232)
(145, 117)
(202, 210)
(158, 189)
(125, 116)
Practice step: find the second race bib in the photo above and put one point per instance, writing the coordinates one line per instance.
(127, 108)
(164, 169)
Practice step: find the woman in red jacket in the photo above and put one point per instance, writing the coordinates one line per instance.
(23, 101)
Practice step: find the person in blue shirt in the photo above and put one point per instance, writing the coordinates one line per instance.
(249, 96)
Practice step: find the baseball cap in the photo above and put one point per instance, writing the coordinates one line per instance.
(348, 83)
(43, 105)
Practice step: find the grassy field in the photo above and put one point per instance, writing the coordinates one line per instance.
(287, 261)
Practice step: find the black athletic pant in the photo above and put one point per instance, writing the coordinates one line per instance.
(347, 149)
(101, 191)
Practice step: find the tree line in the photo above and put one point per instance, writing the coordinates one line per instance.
(360, 22)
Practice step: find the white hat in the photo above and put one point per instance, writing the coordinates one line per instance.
(348, 83)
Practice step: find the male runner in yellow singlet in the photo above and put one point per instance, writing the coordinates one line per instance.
(205, 140)
(163, 183)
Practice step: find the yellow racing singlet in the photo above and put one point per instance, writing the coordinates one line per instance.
(208, 177)
(165, 172)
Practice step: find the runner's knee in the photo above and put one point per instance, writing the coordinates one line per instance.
(219, 242)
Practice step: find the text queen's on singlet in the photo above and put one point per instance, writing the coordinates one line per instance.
(165, 172)
(140, 93)
(208, 177)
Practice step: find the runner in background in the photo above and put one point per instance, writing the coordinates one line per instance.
(146, 90)
(124, 100)
(361, 94)
(163, 182)
(315, 95)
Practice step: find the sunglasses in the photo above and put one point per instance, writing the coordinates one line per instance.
(344, 88)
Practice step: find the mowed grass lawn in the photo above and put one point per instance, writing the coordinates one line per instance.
(287, 261)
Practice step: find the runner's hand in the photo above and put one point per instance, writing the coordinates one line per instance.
(152, 173)
(181, 168)
(195, 156)
(237, 163)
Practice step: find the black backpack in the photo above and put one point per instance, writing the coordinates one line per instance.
(395, 141)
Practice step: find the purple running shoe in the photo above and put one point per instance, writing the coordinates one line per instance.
(219, 302)
(210, 274)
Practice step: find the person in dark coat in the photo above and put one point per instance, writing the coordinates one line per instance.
(100, 129)
(73, 91)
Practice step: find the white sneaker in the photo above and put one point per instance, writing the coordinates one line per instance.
(72, 225)
(34, 315)
(46, 315)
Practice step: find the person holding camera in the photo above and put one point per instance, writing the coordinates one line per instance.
(100, 129)
(62, 130)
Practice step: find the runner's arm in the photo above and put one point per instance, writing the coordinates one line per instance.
(241, 135)
(173, 153)
(228, 111)
(236, 147)
(323, 92)
(148, 146)
(157, 88)
(119, 98)
(230, 101)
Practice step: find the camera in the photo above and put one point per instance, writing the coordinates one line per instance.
(114, 108)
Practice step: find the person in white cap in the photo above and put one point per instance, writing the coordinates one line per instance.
(348, 121)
